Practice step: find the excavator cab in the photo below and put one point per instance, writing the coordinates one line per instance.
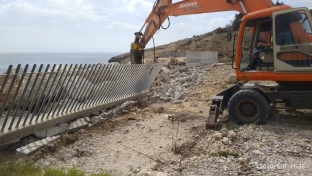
(292, 41)
(290, 59)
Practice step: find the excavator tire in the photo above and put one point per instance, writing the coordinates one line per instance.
(247, 106)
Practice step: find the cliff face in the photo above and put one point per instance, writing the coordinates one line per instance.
(212, 41)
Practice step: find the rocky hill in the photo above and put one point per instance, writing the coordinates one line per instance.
(211, 41)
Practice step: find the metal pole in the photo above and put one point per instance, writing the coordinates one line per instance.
(242, 6)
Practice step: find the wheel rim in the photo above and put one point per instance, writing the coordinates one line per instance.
(248, 110)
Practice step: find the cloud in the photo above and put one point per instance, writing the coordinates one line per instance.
(132, 6)
(71, 9)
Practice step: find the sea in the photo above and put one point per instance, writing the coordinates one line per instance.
(58, 58)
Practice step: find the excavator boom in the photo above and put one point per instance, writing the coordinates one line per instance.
(162, 9)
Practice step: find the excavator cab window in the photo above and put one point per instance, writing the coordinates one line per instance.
(294, 40)
(257, 30)
(247, 48)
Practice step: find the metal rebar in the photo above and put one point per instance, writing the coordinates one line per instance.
(23, 94)
(94, 88)
(54, 90)
(115, 94)
(100, 86)
(73, 102)
(111, 75)
(15, 96)
(36, 93)
(69, 89)
(64, 92)
(81, 85)
(87, 86)
(60, 91)
(30, 93)
(5, 80)
(8, 95)
(114, 74)
(43, 96)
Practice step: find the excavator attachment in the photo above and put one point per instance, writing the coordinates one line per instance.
(218, 104)
(213, 117)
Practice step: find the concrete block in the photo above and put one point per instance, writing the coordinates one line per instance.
(53, 131)
(41, 134)
(77, 125)
(32, 147)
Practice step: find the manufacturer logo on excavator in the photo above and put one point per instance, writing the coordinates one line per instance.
(189, 4)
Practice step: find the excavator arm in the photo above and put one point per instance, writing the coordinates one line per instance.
(162, 9)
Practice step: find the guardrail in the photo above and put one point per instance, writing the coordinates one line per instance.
(41, 97)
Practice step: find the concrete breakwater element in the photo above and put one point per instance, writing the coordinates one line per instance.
(35, 100)
(200, 57)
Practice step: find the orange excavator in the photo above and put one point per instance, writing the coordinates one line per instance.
(282, 77)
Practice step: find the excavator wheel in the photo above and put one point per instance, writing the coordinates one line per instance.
(247, 106)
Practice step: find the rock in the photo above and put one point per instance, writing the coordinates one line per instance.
(77, 125)
(232, 79)
(95, 119)
(225, 141)
(232, 134)
(306, 133)
(217, 135)
(41, 134)
(153, 173)
(150, 168)
(258, 152)
(32, 147)
(54, 131)
(114, 63)
(158, 109)
(177, 102)
(173, 61)
(164, 61)
(161, 174)
(163, 77)
(148, 60)
(181, 60)
(242, 160)
(95, 113)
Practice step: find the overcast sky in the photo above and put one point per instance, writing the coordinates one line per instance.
(94, 25)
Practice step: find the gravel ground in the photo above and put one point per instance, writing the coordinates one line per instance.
(166, 135)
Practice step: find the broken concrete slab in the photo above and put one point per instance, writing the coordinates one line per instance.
(34, 146)
(60, 128)
(41, 134)
(77, 125)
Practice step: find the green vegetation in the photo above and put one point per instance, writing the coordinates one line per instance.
(224, 153)
(27, 169)
(17, 169)
(231, 125)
